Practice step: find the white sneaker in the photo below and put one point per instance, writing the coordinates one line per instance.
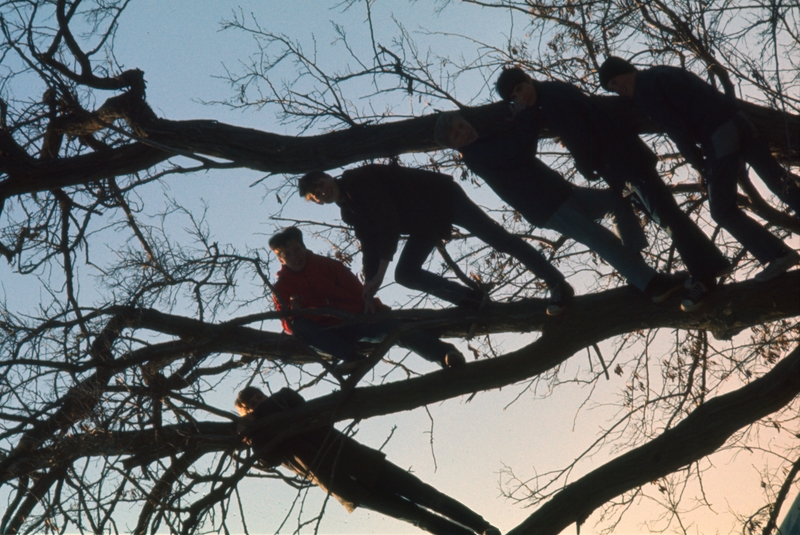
(778, 267)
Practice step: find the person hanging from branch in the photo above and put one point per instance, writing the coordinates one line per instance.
(381, 202)
(354, 474)
(309, 281)
(547, 200)
(606, 148)
(718, 139)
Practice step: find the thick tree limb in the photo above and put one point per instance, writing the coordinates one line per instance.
(274, 153)
(594, 318)
(589, 320)
(699, 435)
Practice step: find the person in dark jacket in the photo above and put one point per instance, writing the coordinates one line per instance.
(381, 202)
(716, 138)
(507, 163)
(309, 281)
(354, 474)
(603, 146)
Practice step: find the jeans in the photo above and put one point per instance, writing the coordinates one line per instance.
(467, 215)
(701, 257)
(340, 341)
(404, 496)
(599, 203)
(574, 220)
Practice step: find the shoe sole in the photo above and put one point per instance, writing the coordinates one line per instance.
(782, 268)
(692, 307)
(663, 297)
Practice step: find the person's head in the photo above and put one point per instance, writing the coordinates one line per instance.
(288, 246)
(248, 399)
(618, 76)
(453, 131)
(514, 85)
(319, 187)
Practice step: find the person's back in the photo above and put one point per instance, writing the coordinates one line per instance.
(682, 102)
(398, 199)
(508, 165)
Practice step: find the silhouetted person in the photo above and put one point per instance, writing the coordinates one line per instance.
(381, 202)
(508, 165)
(307, 280)
(352, 473)
(605, 146)
(717, 139)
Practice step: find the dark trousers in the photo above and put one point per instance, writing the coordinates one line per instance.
(722, 193)
(340, 341)
(779, 180)
(404, 496)
(701, 257)
(732, 145)
(470, 217)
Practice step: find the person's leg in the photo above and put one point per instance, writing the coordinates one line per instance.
(778, 179)
(325, 340)
(424, 343)
(428, 346)
(469, 216)
(410, 274)
(394, 506)
(571, 220)
(598, 203)
(702, 258)
(721, 182)
(399, 482)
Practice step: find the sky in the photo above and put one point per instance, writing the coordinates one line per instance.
(461, 446)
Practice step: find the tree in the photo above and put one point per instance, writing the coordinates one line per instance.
(106, 392)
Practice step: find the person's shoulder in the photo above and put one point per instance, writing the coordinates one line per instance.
(364, 171)
(326, 261)
(663, 73)
(558, 88)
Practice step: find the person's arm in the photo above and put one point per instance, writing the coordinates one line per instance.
(372, 286)
(278, 296)
(666, 105)
(572, 112)
(525, 132)
(379, 222)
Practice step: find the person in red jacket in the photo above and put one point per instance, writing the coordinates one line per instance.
(307, 280)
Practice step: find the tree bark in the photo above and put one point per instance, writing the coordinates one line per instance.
(589, 320)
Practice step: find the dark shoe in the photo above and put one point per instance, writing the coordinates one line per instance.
(453, 359)
(347, 367)
(778, 267)
(475, 300)
(491, 530)
(560, 295)
(727, 270)
(663, 285)
(697, 294)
